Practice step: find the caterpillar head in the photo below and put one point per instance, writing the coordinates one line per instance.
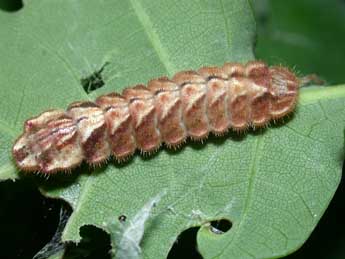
(284, 91)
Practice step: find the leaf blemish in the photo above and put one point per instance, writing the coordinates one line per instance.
(131, 231)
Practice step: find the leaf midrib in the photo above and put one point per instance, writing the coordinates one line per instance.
(252, 168)
(153, 37)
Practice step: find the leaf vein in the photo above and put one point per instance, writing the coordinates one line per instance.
(144, 19)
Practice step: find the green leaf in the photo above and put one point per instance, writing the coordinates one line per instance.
(299, 33)
(273, 185)
(58, 255)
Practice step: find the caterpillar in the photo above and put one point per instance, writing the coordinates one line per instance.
(192, 104)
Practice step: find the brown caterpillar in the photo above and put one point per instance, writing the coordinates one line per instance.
(191, 104)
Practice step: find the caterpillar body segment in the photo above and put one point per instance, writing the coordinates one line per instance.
(191, 104)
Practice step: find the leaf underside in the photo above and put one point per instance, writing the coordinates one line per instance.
(272, 184)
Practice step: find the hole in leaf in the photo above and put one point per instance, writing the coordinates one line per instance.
(93, 81)
(220, 226)
(185, 245)
(56, 245)
(95, 243)
(11, 5)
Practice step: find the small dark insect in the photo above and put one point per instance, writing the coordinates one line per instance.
(122, 218)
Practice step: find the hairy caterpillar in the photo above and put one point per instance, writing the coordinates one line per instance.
(191, 104)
